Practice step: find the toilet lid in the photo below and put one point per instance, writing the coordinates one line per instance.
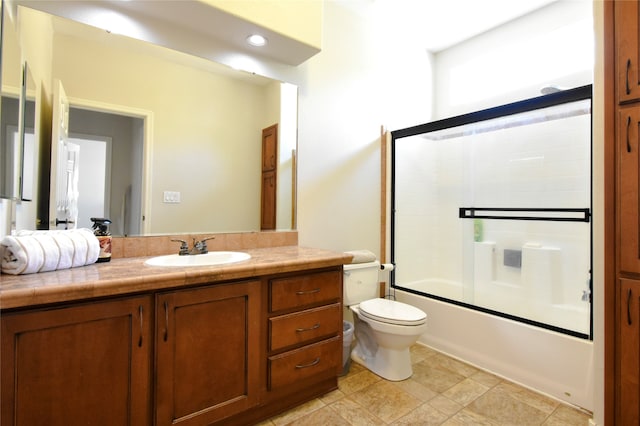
(392, 312)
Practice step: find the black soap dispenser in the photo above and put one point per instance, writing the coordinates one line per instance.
(101, 231)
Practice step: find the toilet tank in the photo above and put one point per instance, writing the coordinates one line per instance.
(360, 282)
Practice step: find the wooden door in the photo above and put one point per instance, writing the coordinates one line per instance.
(268, 201)
(269, 178)
(628, 150)
(83, 364)
(207, 353)
(627, 37)
(270, 148)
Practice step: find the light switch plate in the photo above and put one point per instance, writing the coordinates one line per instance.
(171, 197)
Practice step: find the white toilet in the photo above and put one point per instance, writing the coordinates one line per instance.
(384, 329)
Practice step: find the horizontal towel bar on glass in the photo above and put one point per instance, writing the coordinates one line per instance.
(514, 213)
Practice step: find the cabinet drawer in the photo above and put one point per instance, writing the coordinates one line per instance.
(318, 361)
(303, 290)
(300, 327)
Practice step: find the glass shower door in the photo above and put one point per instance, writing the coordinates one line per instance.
(494, 213)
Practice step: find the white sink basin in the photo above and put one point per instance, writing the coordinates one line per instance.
(207, 259)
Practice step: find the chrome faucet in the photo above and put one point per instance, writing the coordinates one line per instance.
(199, 247)
(184, 247)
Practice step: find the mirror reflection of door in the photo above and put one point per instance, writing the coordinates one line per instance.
(112, 186)
(8, 145)
(269, 178)
(95, 170)
(10, 83)
(59, 213)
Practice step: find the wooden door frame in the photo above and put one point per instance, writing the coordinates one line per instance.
(610, 271)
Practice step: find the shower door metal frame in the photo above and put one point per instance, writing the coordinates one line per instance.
(540, 102)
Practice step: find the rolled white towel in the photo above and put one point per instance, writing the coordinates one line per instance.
(14, 260)
(361, 256)
(21, 255)
(80, 246)
(41, 251)
(93, 245)
(50, 250)
(67, 250)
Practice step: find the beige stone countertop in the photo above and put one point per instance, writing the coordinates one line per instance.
(131, 275)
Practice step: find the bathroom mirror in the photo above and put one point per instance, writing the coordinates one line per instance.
(27, 135)
(202, 124)
(10, 150)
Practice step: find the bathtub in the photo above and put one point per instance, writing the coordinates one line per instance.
(546, 361)
(511, 299)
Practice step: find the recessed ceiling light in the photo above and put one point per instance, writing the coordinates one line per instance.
(256, 40)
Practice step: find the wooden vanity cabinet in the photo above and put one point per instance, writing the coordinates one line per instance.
(207, 353)
(305, 331)
(223, 353)
(80, 364)
(626, 312)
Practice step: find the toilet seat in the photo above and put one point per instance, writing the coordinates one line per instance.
(392, 312)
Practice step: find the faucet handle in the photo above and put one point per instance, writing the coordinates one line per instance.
(203, 245)
(184, 247)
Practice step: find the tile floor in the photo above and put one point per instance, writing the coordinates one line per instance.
(442, 391)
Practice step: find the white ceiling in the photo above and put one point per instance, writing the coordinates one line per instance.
(192, 27)
(439, 24)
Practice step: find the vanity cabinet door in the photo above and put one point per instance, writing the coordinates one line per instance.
(628, 369)
(207, 353)
(82, 364)
(628, 152)
(627, 34)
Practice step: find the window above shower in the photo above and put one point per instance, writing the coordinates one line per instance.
(491, 210)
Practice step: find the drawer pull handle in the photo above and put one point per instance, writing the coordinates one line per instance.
(315, 327)
(628, 126)
(629, 306)
(301, 292)
(166, 321)
(311, 364)
(141, 326)
(628, 89)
